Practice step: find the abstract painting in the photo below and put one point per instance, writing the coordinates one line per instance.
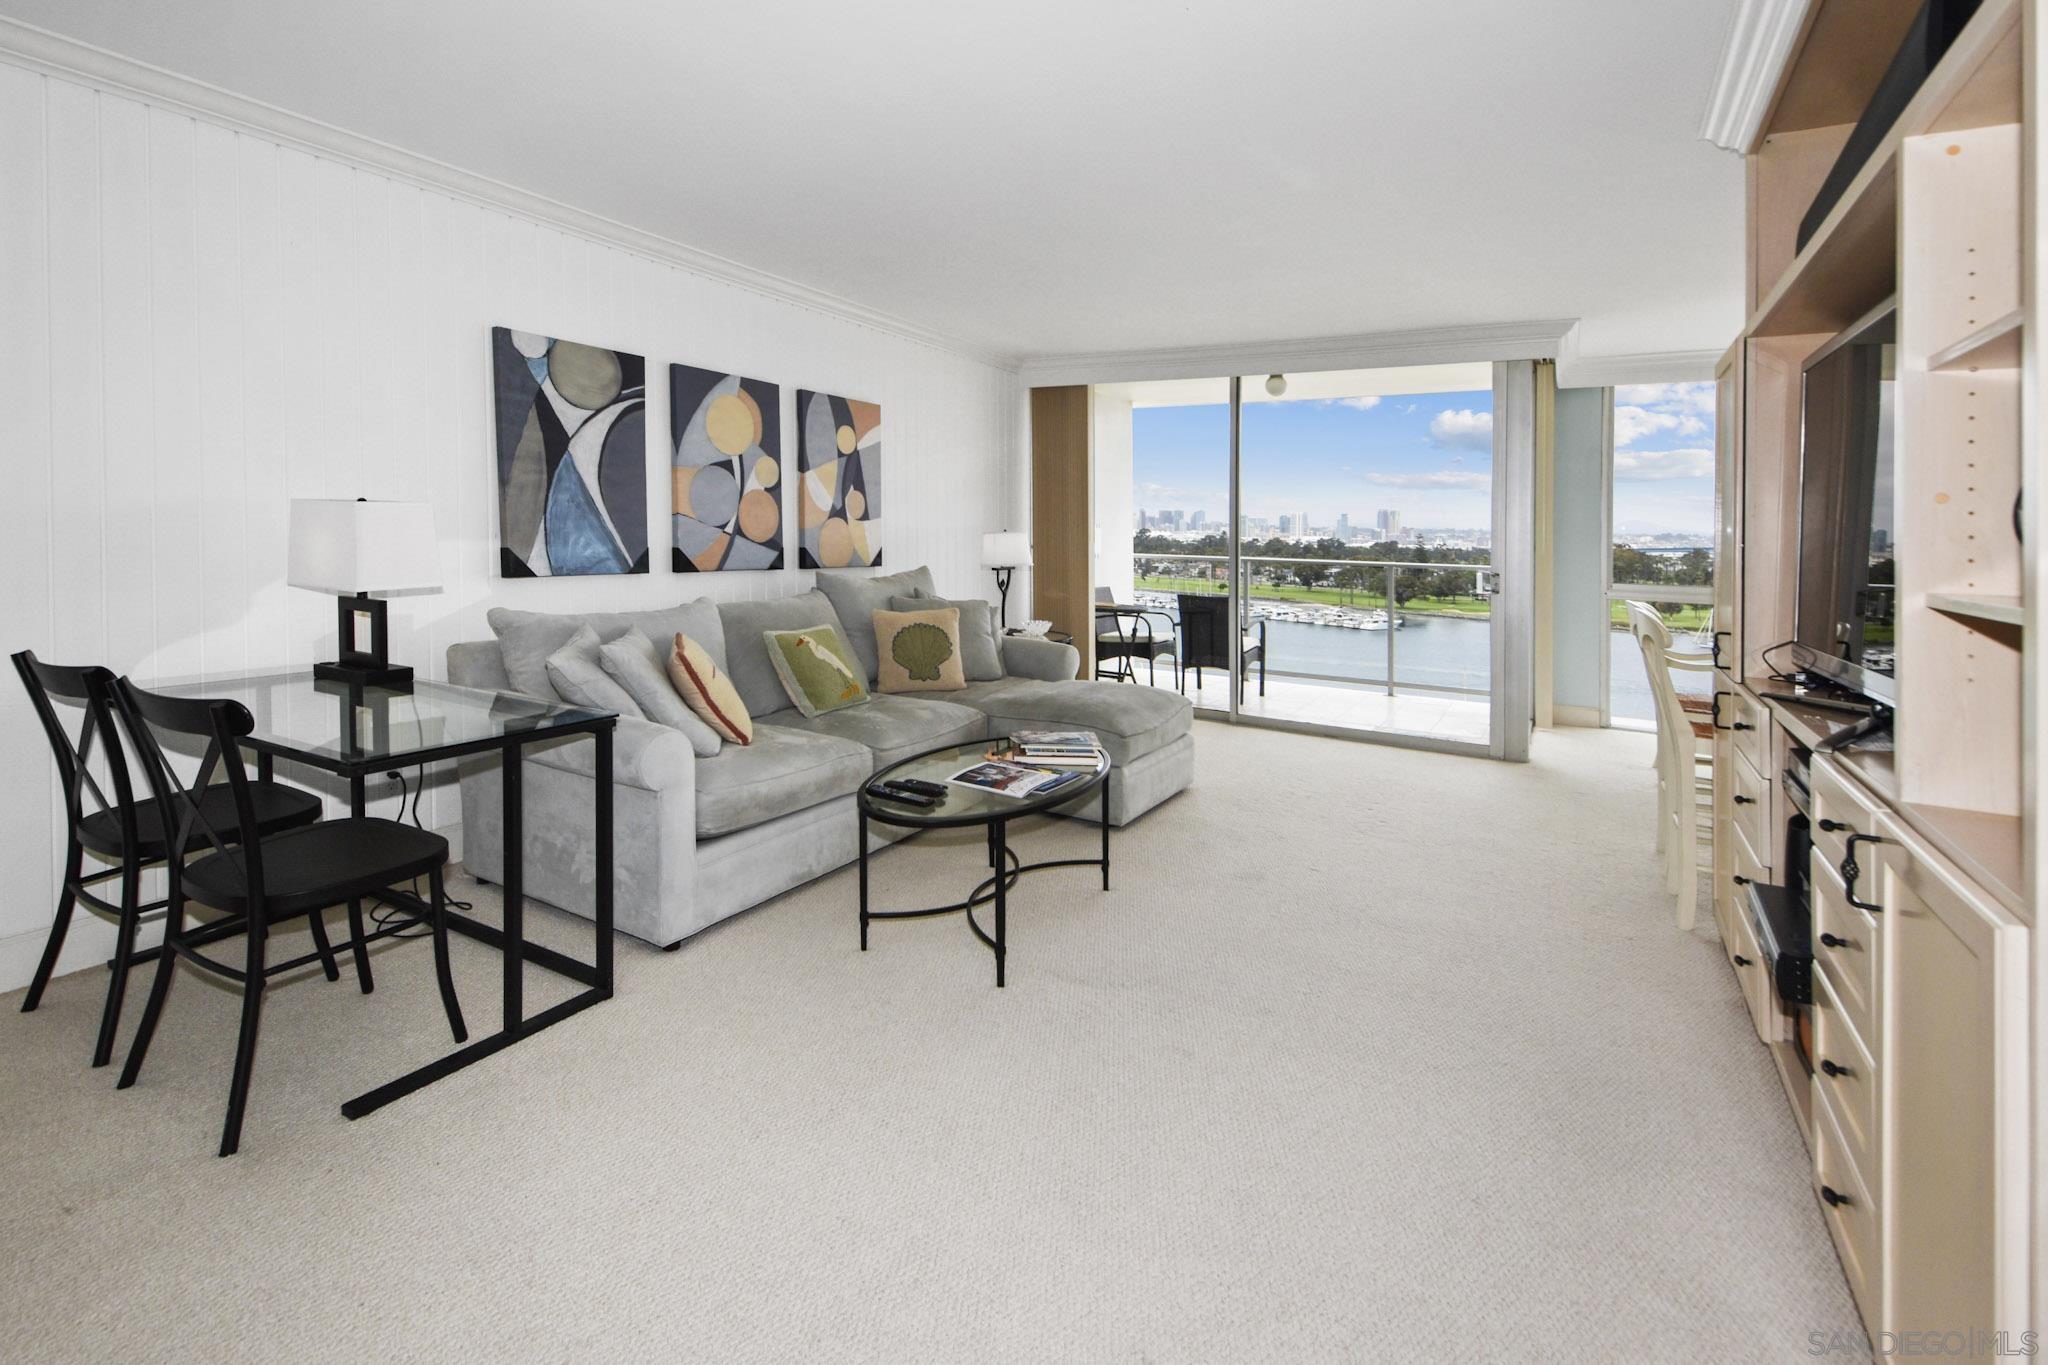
(725, 467)
(839, 463)
(572, 457)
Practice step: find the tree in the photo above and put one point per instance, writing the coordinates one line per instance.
(1311, 574)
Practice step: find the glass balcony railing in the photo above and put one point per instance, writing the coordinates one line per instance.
(1392, 626)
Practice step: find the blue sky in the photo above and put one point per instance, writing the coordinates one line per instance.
(1427, 456)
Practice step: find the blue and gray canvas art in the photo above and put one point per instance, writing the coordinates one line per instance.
(572, 457)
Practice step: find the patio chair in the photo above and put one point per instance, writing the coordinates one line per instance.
(1124, 634)
(1205, 640)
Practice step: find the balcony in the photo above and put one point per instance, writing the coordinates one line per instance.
(1381, 646)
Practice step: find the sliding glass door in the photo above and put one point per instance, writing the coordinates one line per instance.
(1321, 547)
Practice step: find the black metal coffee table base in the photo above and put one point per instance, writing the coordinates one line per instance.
(994, 888)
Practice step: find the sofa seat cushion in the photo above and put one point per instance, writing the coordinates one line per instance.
(891, 728)
(1132, 721)
(782, 771)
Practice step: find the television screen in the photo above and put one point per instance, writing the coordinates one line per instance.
(1845, 623)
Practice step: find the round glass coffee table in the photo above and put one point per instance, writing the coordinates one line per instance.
(963, 806)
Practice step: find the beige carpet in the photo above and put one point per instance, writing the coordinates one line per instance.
(1370, 1054)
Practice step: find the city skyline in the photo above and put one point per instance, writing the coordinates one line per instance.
(1352, 458)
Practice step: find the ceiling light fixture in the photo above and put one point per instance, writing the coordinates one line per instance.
(1276, 384)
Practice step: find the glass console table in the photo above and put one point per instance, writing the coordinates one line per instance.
(360, 732)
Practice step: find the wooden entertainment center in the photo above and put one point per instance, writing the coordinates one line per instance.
(1912, 1072)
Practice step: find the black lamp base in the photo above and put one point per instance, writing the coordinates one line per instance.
(359, 667)
(393, 677)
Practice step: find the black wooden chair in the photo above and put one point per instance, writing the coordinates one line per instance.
(1205, 640)
(128, 833)
(257, 880)
(1124, 635)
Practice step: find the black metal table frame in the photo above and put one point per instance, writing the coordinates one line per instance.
(510, 940)
(994, 887)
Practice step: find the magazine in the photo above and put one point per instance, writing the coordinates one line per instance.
(1010, 779)
(1069, 741)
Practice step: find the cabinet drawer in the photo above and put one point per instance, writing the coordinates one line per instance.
(1739, 942)
(1741, 710)
(1848, 1211)
(1840, 810)
(1751, 801)
(1846, 943)
(1845, 1076)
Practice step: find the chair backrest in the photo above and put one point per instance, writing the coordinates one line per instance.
(1105, 597)
(1204, 630)
(91, 687)
(1653, 637)
(220, 724)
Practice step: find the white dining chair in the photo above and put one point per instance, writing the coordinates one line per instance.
(1685, 762)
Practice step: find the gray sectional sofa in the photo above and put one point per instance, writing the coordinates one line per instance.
(699, 837)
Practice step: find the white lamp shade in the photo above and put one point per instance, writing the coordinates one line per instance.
(344, 547)
(1005, 549)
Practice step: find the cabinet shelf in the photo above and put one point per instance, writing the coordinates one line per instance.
(1848, 266)
(1994, 346)
(2007, 611)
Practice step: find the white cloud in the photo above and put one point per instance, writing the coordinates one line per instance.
(1362, 404)
(1631, 424)
(1444, 478)
(1462, 427)
(1649, 465)
(1695, 398)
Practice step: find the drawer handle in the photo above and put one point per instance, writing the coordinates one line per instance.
(1717, 709)
(1717, 646)
(1834, 941)
(1741, 880)
(1832, 826)
(1834, 1068)
(1741, 961)
(1834, 1197)
(1741, 800)
(1742, 725)
(1851, 870)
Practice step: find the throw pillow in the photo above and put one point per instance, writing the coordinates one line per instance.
(580, 680)
(817, 669)
(857, 599)
(919, 651)
(981, 650)
(703, 686)
(635, 663)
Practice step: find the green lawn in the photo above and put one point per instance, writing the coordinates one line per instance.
(1678, 617)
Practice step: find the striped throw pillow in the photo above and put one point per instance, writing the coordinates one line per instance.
(706, 690)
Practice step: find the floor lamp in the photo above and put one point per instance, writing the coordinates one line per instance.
(1005, 552)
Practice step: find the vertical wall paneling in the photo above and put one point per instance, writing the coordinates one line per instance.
(203, 324)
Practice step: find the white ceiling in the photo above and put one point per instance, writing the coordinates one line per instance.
(1062, 177)
(1319, 384)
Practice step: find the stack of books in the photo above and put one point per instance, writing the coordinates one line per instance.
(1056, 748)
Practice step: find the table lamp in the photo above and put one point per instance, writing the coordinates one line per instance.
(353, 549)
(1005, 552)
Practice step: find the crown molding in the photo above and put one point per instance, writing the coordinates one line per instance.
(1761, 37)
(1421, 346)
(1577, 371)
(53, 54)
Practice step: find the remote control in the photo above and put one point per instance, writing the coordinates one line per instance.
(918, 785)
(887, 792)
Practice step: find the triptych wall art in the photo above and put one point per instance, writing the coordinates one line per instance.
(839, 457)
(572, 457)
(571, 429)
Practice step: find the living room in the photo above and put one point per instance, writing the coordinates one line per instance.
(894, 682)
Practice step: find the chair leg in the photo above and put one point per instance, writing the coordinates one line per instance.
(362, 949)
(159, 987)
(73, 865)
(318, 924)
(448, 1000)
(124, 954)
(245, 1044)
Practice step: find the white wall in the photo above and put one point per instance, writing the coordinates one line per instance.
(1579, 547)
(198, 324)
(1114, 505)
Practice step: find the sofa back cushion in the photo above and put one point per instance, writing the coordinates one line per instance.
(746, 651)
(981, 648)
(527, 638)
(818, 672)
(919, 650)
(857, 599)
